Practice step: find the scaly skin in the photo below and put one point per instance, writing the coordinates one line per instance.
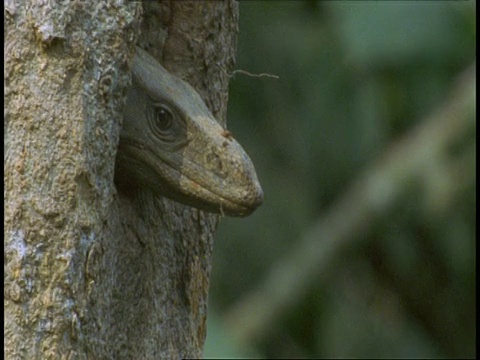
(171, 143)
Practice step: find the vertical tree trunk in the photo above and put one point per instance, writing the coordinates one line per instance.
(90, 273)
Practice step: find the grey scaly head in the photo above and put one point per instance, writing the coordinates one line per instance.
(172, 144)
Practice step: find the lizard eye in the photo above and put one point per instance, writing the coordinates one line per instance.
(163, 118)
(166, 124)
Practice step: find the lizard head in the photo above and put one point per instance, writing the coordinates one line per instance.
(172, 144)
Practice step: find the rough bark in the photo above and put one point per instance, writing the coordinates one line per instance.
(89, 272)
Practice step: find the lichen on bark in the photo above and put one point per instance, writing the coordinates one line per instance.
(90, 273)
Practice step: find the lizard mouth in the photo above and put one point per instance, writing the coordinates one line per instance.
(219, 203)
(200, 195)
(186, 181)
(245, 197)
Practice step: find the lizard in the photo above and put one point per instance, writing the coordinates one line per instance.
(172, 144)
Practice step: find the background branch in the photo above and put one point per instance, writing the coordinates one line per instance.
(406, 162)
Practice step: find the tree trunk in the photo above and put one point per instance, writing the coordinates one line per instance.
(90, 273)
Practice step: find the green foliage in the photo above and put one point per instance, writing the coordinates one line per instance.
(353, 78)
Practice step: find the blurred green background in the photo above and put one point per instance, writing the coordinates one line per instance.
(354, 78)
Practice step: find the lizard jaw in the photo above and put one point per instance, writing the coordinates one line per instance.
(187, 182)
